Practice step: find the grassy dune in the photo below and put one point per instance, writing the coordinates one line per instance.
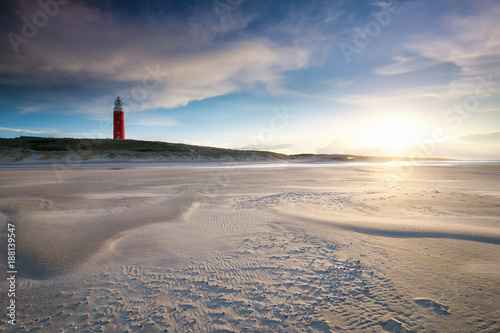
(40, 148)
(54, 148)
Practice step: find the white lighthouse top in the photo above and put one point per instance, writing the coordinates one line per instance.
(118, 104)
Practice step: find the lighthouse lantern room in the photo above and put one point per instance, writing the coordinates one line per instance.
(118, 120)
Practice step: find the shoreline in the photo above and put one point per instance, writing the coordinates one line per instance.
(98, 164)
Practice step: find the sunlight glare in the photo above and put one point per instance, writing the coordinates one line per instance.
(394, 134)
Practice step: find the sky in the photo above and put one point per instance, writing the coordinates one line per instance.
(395, 78)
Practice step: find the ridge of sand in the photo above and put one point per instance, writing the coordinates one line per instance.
(53, 242)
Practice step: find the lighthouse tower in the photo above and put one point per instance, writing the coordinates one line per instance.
(118, 120)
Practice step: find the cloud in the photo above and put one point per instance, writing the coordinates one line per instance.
(483, 138)
(471, 42)
(20, 130)
(387, 100)
(220, 72)
(406, 64)
(157, 60)
(28, 109)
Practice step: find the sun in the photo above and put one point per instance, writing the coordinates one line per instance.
(394, 134)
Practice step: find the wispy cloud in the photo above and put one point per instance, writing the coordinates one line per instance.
(471, 42)
(488, 138)
(29, 109)
(398, 97)
(406, 64)
(21, 130)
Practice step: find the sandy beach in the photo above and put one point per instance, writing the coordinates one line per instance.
(324, 249)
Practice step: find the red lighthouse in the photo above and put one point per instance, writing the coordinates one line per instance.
(118, 120)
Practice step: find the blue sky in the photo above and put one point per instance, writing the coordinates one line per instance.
(406, 78)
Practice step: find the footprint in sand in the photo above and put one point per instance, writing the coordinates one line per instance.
(429, 303)
(392, 325)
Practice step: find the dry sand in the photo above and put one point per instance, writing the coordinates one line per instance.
(254, 250)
